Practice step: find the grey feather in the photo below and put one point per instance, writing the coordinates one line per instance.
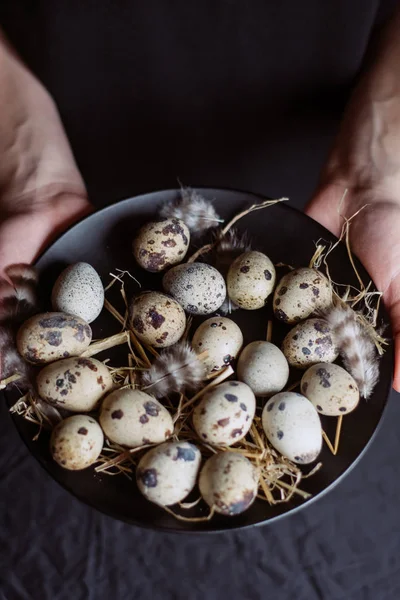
(11, 362)
(355, 345)
(194, 210)
(228, 307)
(18, 297)
(175, 370)
(229, 247)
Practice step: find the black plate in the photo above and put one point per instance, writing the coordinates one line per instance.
(286, 235)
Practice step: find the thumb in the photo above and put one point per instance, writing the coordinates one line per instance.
(325, 206)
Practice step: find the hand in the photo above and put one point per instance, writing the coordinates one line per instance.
(41, 189)
(374, 239)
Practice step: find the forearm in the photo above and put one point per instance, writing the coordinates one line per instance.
(41, 190)
(366, 154)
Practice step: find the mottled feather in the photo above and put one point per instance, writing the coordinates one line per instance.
(175, 370)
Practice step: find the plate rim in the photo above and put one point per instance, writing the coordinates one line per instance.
(295, 510)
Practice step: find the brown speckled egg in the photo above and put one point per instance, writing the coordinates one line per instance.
(250, 280)
(76, 442)
(49, 336)
(229, 482)
(198, 287)
(331, 389)
(157, 319)
(225, 414)
(263, 367)
(309, 343)
(133, 418)
(160, 244)
(293, 427)
(76, 384)
(221, 338)
(300, 293)
(167, 474)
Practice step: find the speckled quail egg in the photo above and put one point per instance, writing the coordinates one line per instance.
(76, 442)
(157, 319)
(76, 384)
(221, 338)
(133, 418)
(309, 343)
(331, 389)
(229, 482)
(167, 474)
(160, 244)
(263, 367)
(292, 425)
(50, 336)
(300, 293)
(250, 280)
(79, 291)
(225, 414)
(198, 287)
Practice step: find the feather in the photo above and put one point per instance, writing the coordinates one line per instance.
(195, 211)
(228, 307)
(11, 362)
(18, 299)
(175, 370)
(355, 345)
(229, 247)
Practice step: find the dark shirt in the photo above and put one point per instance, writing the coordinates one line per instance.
(231, 93)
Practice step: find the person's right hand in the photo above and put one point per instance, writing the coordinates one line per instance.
(41, 189)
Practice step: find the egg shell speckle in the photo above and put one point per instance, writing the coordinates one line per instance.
(76, 442)
(221, 338)
(331, 389)
(49, 336)
(198, 287)
(251, 279)
(133, 418)
(161, 244)
(167, 474)
(293, 427)
(157, 319)
(79, 291)
(229, 482)
(309, 343)
(225, 414)
(263, 367)
(300, 293)
(76, 384)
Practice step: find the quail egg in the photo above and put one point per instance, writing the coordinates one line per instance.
(160, 244)
(250, 280)
(331, 389)
(263, 367)
(76, 442)
(79, 291)
(133, 418)
(229, 483)
(167, 474)
(157, 319)
(225, 413)
(198, 287)
(309, 343)
(221, 338)
(300, 293)
(76, 384)
(50, 336)
(292, 425)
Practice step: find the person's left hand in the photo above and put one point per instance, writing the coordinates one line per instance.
(374, 239)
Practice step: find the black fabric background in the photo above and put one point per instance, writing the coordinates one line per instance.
(222, 93)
